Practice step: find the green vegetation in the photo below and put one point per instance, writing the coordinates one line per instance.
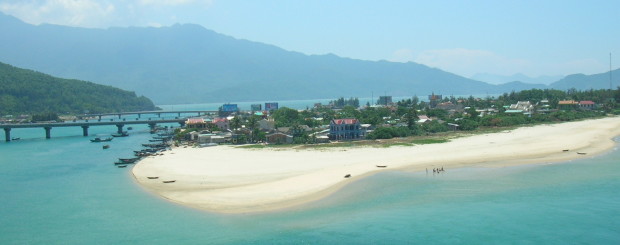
(428, 141)
(24, 91)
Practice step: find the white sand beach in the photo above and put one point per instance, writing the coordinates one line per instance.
(233, 180)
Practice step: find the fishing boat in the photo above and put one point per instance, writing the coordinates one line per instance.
(381, 166)
(122, 166)
(16, 138)
(129, 160)
(101, 140)
(152, 177)
(123, 134)
(581, 153)
(347, 176)
(106, 146)
(155, 145)
(169, 181)
(121, 163)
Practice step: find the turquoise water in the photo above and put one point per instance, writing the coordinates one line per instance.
(65, 190)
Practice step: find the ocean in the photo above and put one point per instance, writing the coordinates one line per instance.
(66, 190)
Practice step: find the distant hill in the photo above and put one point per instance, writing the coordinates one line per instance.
(518, 86)
(26, 91)
(190, 64)
(586, 82)
(498, 79)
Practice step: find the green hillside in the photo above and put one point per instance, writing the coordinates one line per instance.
(26, 91)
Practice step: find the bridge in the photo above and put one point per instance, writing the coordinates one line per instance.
(158, 113)
(85, 125)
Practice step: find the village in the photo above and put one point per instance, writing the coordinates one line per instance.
(345, 120)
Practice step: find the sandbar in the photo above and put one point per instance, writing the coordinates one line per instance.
(229, 179)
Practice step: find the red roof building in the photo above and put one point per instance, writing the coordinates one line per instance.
(587, 105)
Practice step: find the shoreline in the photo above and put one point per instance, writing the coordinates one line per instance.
(226, 179)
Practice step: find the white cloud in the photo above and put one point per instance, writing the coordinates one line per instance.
(101, 13)
(402, 55)
(175, 2)
(88, 13)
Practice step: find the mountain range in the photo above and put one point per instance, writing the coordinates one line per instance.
(187, 63)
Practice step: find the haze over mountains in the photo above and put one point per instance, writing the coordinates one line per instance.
(498, 79)
(190, 64)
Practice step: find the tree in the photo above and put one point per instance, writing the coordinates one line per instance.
(411, 118)
(286, 117)
(235, 123)
(252, 124)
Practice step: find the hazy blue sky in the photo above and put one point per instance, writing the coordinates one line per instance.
(464, 37)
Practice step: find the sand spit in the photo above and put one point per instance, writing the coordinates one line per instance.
(233, 180)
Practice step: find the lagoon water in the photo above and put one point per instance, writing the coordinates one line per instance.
(65, 190)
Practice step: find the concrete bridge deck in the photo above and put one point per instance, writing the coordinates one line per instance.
(85, 125)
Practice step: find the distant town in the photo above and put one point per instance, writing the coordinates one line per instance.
(346, 120)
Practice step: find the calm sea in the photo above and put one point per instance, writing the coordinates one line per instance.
(65, 190)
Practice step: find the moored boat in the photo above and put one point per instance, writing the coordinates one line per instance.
(122, 166)
(129, 160)
(106, 146)
(101, 140)
(123, 134)
(169, 181)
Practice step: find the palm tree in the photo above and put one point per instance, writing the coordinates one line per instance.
(235, 123)
(252, 124)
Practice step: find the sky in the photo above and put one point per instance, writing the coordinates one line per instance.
(535, 38)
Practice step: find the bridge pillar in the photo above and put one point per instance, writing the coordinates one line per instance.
(48, 132)
(120, 128)
(182, 123)
(99, 118)
(180, 114)
(85, 130)
(139, 115)
(7, 134)
(158, 114)
(119, 116)
(152, 125)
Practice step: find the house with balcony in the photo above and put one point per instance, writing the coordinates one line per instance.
(345, 129)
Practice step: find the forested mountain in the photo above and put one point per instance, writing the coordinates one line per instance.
(26, 91)
(587, 82)
(190, 64)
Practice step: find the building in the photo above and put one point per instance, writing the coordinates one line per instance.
(256, 107)
(279, 138)
(222, 123)
(522, 106)
(587, 105)
(345, 129)
(423, 119)
(567, 104)
(434, 99)
(271, 106)
(384, 100)
(195, 123)
(267, 125)
(230, 108)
